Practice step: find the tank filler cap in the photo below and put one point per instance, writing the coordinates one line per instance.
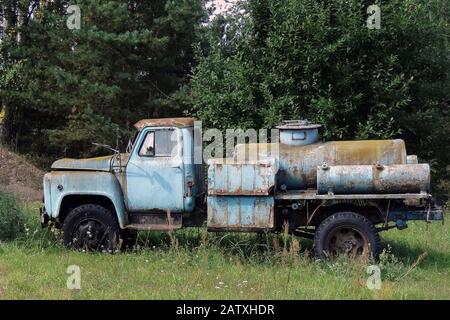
(298, 132)
(297, 124)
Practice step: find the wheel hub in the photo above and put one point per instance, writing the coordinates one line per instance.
(90, 235)
(348, 241)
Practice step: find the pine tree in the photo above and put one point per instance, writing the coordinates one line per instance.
(64, 89)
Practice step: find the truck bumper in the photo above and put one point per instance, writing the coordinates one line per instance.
(44, 217)
(427, 215)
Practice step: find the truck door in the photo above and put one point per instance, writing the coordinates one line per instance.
(154, 173)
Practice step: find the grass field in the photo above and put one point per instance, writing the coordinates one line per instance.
(194, 264)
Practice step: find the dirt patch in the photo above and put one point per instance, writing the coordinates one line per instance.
(19, 177)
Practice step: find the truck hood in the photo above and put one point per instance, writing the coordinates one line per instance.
(89, 164)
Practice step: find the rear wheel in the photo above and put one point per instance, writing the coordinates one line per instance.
(91, 227)
(346, 233)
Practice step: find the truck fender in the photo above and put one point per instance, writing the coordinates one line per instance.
(61, 184)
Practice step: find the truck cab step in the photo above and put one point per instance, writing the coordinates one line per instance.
(153, 227)
(155, 221)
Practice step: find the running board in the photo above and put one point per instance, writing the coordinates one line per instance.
(152, 227)
(155, 221)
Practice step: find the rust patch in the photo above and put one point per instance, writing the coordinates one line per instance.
(370, 152)
(164, 122)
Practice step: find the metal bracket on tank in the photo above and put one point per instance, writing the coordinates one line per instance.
(379, 166)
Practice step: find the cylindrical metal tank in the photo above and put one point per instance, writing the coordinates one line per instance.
(363, 179)
(298, 164)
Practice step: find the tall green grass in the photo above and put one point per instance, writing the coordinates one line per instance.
(196, 264)
(19, 225)
(12, 219)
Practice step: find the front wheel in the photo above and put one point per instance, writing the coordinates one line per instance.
(91, 227)
(346, 233)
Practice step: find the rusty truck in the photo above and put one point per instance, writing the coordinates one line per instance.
(341, 194)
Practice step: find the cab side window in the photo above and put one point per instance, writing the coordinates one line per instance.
(159, 143)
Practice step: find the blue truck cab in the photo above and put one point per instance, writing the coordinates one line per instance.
(137, 188)
(341, 194)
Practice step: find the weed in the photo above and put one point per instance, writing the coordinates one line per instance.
(12, 220)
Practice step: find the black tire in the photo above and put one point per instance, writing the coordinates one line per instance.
(91, 227)
(346, 233)
(129, 239)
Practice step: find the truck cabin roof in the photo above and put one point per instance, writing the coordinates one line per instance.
(164, 122)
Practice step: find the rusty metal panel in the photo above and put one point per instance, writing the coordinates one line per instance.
(229, 177)
(226, 213)
(367, 179)
(164, 122)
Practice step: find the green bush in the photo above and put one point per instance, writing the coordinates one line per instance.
(12, 220)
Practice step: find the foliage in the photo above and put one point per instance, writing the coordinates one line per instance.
(64, 89)
(12, 220)
(318, 60)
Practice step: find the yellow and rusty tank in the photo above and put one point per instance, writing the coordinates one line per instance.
(299, 154)
(298, 164)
